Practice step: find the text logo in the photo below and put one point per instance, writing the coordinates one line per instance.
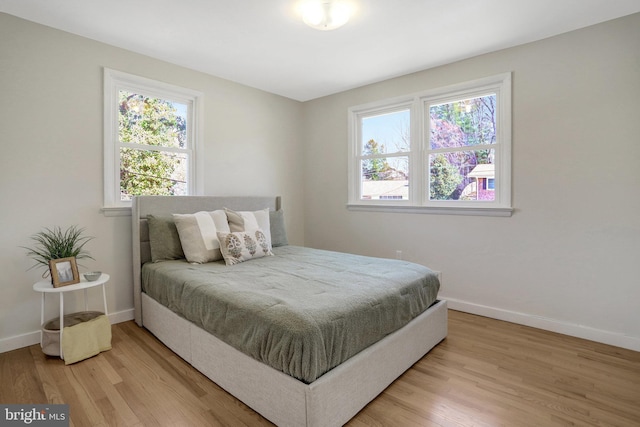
(34, 415)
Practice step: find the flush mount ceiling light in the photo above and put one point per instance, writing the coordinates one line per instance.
(325, 14)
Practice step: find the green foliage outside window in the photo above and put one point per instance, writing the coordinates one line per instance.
(145, 123)
(375, 169)
(444, 179)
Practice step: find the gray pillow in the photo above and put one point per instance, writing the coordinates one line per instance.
(164, 239)
(278, 232)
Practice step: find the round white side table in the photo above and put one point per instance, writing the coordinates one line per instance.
(45, 287)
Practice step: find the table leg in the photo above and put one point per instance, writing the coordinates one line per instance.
(104, 300)
(61, 322)
(42, 318)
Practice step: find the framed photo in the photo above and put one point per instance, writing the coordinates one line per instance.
(64, 271)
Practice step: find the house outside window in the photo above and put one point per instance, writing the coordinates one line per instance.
(446, 150)
(151, 139)
(482, 186)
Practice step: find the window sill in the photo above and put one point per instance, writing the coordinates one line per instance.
(432, 210)
(116, 211)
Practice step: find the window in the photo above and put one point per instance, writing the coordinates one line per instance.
(384, 147)
(151, 139)
(442, 151)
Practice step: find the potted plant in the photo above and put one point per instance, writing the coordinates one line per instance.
(52, 244)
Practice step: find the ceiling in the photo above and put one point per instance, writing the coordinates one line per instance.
(264, 44)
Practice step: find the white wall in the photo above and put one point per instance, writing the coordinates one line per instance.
(51, 162)
(567, 260)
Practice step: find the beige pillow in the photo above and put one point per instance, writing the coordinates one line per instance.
(198, 234)
(241, 246)
(250, 222)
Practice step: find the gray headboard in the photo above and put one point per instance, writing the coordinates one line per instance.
(167, 205)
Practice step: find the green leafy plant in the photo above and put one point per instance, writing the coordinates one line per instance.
(57, 243)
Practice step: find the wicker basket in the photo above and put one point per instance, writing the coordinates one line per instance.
(51, 330)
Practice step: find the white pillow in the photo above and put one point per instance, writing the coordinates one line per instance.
(241, 246)
(250, 222)
(198, 234)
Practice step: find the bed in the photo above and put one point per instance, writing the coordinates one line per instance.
(322, 391)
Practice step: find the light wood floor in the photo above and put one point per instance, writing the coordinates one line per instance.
(486, 373)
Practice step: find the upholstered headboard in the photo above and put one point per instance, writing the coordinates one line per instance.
(143, 206)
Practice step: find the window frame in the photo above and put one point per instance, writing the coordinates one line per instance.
(419, 104)
(114, 82)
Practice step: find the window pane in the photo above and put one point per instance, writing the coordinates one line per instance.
(145, 172)
(385, 178)
(462, 175)
(151, 121)
(386, 133)
(463, 123)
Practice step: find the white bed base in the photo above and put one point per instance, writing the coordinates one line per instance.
(332, 399)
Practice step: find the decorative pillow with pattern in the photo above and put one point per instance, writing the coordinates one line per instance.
(250, 222)
(240, 246)
(198, 234)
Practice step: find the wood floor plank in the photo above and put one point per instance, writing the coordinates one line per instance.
(485, 373)
(20, 371)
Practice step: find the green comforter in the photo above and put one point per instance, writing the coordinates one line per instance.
(303, 311)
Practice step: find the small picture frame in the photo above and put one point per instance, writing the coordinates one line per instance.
(64, 271)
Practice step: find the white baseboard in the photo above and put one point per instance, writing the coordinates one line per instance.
(19, 341)
(31, 338)
(579, 331)
(121, 316)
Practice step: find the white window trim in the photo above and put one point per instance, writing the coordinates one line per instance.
(418, 200)
(114, 81)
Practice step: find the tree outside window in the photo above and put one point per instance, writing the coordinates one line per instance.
(461, 136)
(146, 127)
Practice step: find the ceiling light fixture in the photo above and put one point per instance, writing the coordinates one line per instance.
(325, 14)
